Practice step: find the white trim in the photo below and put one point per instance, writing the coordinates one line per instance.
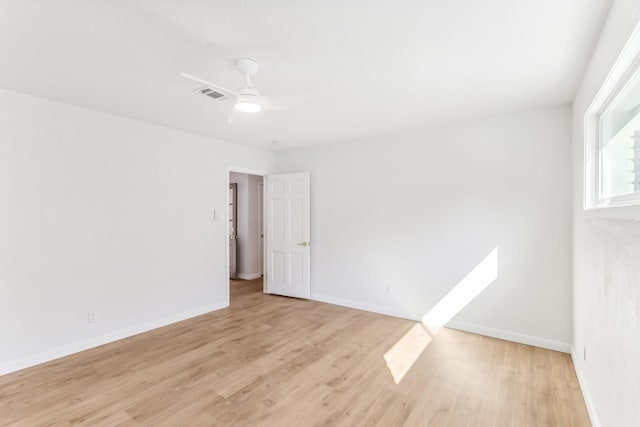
(264, 235)
(249, 276)
(466, 327)
(238, 169)
(511, 336)
(588, 401)
(366, 307)
(76, 347)
(629, 213)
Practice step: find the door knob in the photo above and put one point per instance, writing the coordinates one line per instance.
(304, 244)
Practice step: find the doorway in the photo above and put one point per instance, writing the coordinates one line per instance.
(245, 232)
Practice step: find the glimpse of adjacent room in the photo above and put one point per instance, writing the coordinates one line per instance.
(246, 234)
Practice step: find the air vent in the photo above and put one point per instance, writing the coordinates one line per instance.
(212, 93)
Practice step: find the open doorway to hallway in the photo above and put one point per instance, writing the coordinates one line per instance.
(246, 234)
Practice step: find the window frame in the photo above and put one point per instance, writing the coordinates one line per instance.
(625, 68)
(623, 85)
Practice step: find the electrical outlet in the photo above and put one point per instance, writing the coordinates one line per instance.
(388, 288)
(584, 353)
(91, 317)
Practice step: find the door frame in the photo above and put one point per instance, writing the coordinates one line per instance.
(257, 172)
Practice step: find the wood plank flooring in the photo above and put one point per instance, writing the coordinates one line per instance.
(276, 361)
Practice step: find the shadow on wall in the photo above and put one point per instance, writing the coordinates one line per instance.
(404, 353)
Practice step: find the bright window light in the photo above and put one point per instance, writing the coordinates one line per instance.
(404, 353)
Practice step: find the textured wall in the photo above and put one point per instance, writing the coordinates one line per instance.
(606, 263)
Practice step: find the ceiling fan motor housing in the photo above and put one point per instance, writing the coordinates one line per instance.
(247, 66)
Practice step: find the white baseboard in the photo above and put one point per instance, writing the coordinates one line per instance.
(76, 347)
(250, 276)
(588, 401)
(511, 336)
(366, 307)
(467, 327)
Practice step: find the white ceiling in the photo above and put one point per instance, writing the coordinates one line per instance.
(378, 66)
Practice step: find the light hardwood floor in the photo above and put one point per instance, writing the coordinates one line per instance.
(276, 361)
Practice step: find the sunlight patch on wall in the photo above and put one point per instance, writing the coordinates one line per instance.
(404, 353)
(463, 293)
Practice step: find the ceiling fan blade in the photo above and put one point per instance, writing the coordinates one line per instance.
(233, 116)
(213, 85)
(279, 103)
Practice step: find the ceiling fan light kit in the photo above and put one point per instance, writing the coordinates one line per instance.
(246, 105)
(247, 99)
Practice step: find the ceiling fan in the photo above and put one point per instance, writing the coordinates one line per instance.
(247, 99)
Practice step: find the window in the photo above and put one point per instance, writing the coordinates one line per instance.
(612, 137)
(619, 145)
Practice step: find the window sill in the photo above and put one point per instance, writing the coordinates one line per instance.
(626, 212)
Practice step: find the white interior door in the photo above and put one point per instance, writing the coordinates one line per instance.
(288, 235)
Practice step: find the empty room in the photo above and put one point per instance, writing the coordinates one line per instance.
(305, 213)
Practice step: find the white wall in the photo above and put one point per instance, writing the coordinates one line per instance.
(606, 264)
(256, 205)
(105, 214)
(420, 210)
(249, 255)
